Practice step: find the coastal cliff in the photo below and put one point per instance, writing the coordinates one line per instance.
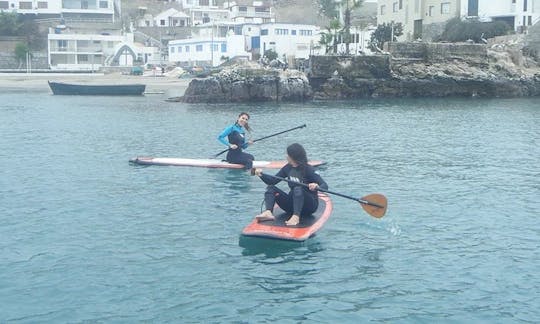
(497, 69)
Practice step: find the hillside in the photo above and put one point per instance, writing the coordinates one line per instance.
(287, 11)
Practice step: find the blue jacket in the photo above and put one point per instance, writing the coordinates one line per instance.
(228, 136)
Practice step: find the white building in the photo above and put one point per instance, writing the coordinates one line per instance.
(171, 18)
(289, 40)
(417, 16)
(211, 45)
(89, 52)
(519, 14)
(68, 9)
(256, 13)
(360, 41)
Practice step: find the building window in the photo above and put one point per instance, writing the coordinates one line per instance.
(198, 48)
(4, 5)
(172, 49)
(204, 3)
(223, 48)
(305, 32)
(400, 4)
(281, 31)
(104, 4)
(293, 31)
(83, 43)
(395, 7)
(25, 5)
(524, 5)
(179, 49)
(215, 47)
(530, 21)
(264, 32)
(242, 9)
(445, 8)
(162, 22)
(62, 45)
(42, 5)
(431, 11)
(82, 58)
(383, 10)
(187, 49)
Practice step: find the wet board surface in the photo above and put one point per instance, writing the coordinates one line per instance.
(277, 229)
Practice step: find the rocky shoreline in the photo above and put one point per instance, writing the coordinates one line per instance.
(408, 70)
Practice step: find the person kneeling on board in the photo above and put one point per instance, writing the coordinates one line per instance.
(236, 141)
(300, 200)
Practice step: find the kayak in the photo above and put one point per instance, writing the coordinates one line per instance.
(211, 163)
(277, 229)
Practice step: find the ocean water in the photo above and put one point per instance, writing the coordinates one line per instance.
(87, 237)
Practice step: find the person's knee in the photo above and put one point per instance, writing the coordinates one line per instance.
(298, 191)
(271, 189)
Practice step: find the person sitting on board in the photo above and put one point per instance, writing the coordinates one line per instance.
(300, 201)
(234, 137)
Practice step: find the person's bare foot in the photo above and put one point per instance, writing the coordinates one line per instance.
(265, 216)
(294, 220)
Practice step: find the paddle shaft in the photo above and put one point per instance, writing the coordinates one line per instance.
(362, 201)
(265, 137)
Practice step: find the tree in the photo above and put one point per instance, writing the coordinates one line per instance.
(349, 6)
(328, 8)
(329, 39)
(9, 24)
(21, 50)
(270, 54)
(385, 33)
(457, 30)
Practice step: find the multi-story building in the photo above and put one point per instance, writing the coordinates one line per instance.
(426, 18)
(216, 41)
(68, 9)
(258, 12)
(89, 52)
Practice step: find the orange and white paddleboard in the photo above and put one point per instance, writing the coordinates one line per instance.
(211, 163)
(277, 229)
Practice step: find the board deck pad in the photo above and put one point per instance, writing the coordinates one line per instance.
(211, 163)
(277, 228)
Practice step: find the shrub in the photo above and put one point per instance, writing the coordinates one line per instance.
(457, 30)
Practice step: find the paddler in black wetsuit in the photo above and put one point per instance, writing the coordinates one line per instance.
(300, 201)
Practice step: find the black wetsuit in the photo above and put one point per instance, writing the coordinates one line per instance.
(235, 135)
(300, 200)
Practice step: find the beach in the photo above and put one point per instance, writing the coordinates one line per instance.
(155, 84)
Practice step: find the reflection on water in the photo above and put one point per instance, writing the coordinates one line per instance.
(273, 248)
(232, 181)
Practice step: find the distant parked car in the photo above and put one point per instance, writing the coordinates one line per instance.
(136, 70)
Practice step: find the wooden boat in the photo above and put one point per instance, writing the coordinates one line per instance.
(60, 88)
(211, 163)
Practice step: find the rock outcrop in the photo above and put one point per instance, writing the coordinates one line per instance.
(249, 83)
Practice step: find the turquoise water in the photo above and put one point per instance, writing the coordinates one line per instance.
(87, 237)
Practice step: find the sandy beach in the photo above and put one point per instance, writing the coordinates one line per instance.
(170, 86)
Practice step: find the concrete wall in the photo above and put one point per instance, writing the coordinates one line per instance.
(439, 52)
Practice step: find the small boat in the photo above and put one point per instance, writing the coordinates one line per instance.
(276, 229)
(211, 163)
(60, 88)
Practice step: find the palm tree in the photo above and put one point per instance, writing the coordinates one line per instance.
(350, 5)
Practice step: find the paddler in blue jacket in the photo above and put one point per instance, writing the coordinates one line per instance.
(234, 137)
(300, 201)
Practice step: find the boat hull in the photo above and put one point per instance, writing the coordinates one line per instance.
(59, 88)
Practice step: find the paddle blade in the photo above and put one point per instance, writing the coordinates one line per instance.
(374, 204)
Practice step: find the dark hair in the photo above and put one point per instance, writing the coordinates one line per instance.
(297, 152)
(247, 125)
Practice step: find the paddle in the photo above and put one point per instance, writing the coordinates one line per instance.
(260, 139)
(374, 204)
